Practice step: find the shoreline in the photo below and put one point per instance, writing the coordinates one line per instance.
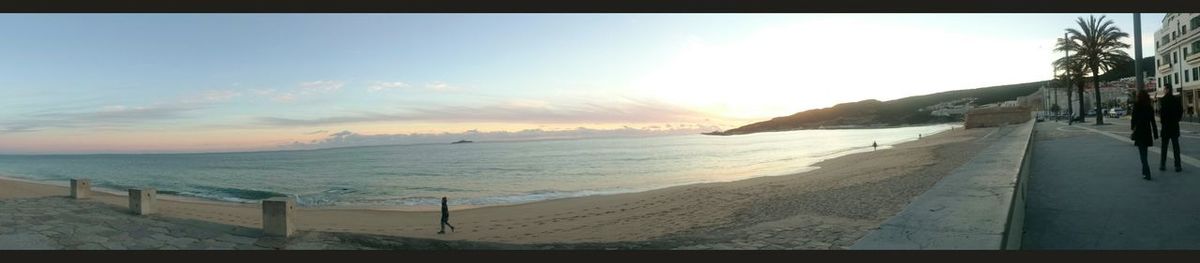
(844, 127)
(637, 216)
(186, 198)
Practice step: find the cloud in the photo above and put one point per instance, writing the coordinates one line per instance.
(122, 113)
(209, 96)
(320, 86)
(440, 86)
(348, 138)
(88, 115)
(274, 95)
(302, 90)
(436, 86)
(19, 127)
(106, 117)
(220, 95)
(381, 86)
(526, 111)
(316, 132)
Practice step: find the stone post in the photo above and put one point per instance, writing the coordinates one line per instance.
(81, 188)
(142, 201)
(277, 216)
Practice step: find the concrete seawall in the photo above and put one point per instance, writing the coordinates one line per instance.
(996, 116)
(980, 205)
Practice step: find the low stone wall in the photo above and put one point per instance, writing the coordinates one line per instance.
(996, 116)
(980, 205)
(1014, 232)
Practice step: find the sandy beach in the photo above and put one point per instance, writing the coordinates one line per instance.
(827, 208)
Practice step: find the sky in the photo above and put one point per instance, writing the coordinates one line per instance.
(158, 83)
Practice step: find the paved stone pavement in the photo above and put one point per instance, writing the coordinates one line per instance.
(1086, 192)
(64, 223)
(1189, 135)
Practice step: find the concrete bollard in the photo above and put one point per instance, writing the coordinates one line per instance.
(277, 216)
(81, 188)
(142, 201)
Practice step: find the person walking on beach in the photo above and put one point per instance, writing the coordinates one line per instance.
(1170, 112)
(874, 145)
(1145, 131)
(445, 217)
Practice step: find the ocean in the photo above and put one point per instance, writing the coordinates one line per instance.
(471, 174)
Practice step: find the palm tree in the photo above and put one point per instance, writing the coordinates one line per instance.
(1073, 68)
(1099, 43)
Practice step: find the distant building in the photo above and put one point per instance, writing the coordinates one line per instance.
(1177, 57)
(952, 108)
(950, 112)
(1113, 93)
(1056, 94)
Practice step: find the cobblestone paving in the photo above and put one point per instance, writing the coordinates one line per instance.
(63, 223)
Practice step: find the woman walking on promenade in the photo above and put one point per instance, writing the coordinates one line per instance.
(1170, 111)
(1144, 129)
(445, 217)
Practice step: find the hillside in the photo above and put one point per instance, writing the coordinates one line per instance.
(906, 111)
(874, 113)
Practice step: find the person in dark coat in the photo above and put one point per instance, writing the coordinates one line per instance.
(1145, 131)
(445, 217)
(1170, 112)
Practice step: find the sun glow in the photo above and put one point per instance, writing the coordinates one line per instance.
(785, 69)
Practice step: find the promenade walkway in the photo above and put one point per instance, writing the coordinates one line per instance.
(968, 209)
(1086, 191)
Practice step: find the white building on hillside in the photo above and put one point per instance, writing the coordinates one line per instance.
(1177, 58)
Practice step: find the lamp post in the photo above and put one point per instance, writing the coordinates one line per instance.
(1067, 77)
(1137, 50)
